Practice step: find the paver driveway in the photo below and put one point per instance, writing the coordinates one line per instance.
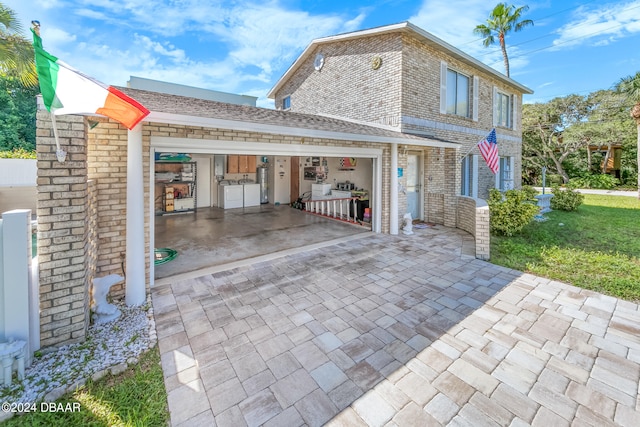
(395, 330)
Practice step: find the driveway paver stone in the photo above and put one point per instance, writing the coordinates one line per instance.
(395, 330)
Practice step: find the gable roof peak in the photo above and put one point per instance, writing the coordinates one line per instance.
(401, 27)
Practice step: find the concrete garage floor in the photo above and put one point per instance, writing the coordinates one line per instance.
(213, 237)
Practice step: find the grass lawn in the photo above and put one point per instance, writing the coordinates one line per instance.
(136, 397)
(597, 247)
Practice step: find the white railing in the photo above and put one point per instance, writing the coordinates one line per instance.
(337, 208)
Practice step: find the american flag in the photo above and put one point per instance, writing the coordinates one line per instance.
(489, 149)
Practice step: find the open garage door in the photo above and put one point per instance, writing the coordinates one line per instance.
(217, 235)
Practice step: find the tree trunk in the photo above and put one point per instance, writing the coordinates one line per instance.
(588, 159)
(503, 46)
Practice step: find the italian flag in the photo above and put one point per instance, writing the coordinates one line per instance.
(68, 91)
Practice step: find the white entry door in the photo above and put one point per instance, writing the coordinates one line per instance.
(414, 185)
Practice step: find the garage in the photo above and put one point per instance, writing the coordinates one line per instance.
(217, 204)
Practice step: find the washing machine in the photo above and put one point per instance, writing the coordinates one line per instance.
(230, 195)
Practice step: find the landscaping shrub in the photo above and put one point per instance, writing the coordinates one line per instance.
(554, 179)
(600, 181)
(565, 200)
(510, 212)
(19, 153)
(530, 192)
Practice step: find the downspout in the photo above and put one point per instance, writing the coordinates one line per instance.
(393, 193)
(135, 289)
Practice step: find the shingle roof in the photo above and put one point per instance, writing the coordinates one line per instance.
(194, 107)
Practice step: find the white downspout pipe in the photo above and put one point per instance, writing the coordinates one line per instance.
(135, 289)
(393, 193)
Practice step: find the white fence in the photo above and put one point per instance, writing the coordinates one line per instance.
(18, 178)
(18, 172)
(19, 298)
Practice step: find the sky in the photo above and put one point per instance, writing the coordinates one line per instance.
(245, 46)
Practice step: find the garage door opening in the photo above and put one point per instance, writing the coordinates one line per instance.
(211, 222)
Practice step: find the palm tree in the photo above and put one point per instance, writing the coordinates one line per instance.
(16, 52)
(630, 86)
(502, 20)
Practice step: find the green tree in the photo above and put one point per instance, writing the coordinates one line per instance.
(503, 19)
(17, 115)
(544, 143)
(16, 51)
(630, 87)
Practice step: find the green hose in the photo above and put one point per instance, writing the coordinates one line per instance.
(164, 255)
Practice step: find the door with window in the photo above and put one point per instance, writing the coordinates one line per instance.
(414, 185)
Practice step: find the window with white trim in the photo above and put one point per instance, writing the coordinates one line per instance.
(286, 102)
(457, 93)
(469, 184)
(504, 177)
(503, 110)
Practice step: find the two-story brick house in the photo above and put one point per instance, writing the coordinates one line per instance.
(402, 77)
(404, 104)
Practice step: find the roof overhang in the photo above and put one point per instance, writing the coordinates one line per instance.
(403, 27)
(246, 126)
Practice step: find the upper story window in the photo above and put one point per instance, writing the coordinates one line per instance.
(286, 102)
(502, 110)
(458, 93)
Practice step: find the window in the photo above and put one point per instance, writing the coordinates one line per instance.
(457, 93)
(469, 185)
(504, 177)
(502, 110)
(286, 102)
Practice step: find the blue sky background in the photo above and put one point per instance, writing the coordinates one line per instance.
(245, 46)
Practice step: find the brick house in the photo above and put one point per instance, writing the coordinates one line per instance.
(408, 80)
(96, 210)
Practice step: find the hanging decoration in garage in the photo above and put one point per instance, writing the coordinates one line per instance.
(348, 163)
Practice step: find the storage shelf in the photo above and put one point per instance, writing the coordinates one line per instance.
(177, 195)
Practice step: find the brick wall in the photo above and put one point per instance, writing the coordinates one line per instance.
(107, 166)
(473, 217)
(404, 92)
(62, 219)
(347, 85)
(91, 244)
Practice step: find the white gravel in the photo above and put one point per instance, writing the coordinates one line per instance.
(109, 347)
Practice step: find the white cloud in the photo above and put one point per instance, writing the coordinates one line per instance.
(600, 26)
(443, 18)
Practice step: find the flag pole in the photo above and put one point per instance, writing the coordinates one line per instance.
(470, 150)
(60, 153)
